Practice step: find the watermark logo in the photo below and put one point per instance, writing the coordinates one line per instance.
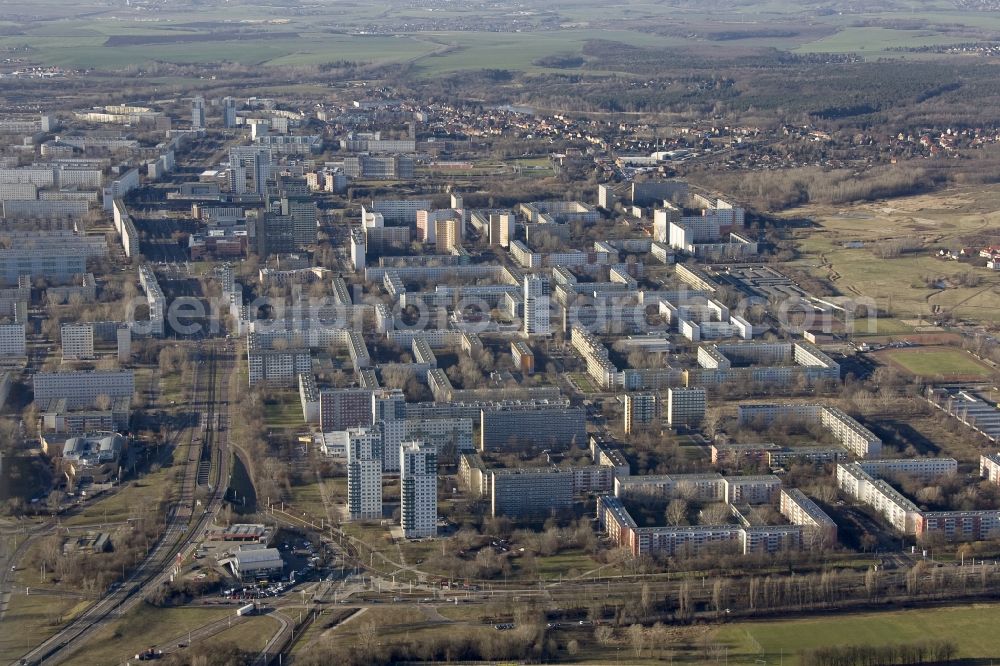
(683, 310)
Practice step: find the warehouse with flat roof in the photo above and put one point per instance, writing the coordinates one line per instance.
(257, 563)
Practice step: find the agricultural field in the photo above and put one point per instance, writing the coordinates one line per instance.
(517, 51)
(842, 249)
(457, 38)
(876, 41)
(86, 51)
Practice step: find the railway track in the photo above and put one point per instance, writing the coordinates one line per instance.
(183, 525)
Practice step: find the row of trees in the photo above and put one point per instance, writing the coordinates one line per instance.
(821, 590)
(786, 188)
(631, 628)
(735, 593)
(898, 654)
(211, 653)
(182, 590)
(471, 553)
(270, 476)
(529, 641)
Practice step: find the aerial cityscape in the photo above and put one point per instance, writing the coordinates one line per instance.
(504, 332)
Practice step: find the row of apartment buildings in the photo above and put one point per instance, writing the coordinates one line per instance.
(532, 492)
(862, 481)
(853, 436)
(704, 487)
(808, 527)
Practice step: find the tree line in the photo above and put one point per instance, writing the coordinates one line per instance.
(897, 654)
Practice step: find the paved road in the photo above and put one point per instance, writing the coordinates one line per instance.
(278, 641)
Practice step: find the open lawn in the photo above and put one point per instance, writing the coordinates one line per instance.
(477, 613)
(971, 628)
(251, 634)
(570, 564)
(916, 284)
(881, 326)
(171, 389)
(583, 382)
(938, 363)
(420, 551)
(143, 627)
(307, 498)
(32, 618)
(119, 506)
(328, 619)
(283, 409)
(405, 625)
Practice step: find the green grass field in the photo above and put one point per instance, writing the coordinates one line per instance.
(32, 618)
(741, 643)
(252, 634)
(584, 382)
(283, 409)
(876, 41)
(570, 564)
(143, 627)
(939, 363)
(881, 326)
(307, 498)
(972, 628)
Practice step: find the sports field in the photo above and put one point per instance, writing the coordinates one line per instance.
(938, 363)
(972, 628)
